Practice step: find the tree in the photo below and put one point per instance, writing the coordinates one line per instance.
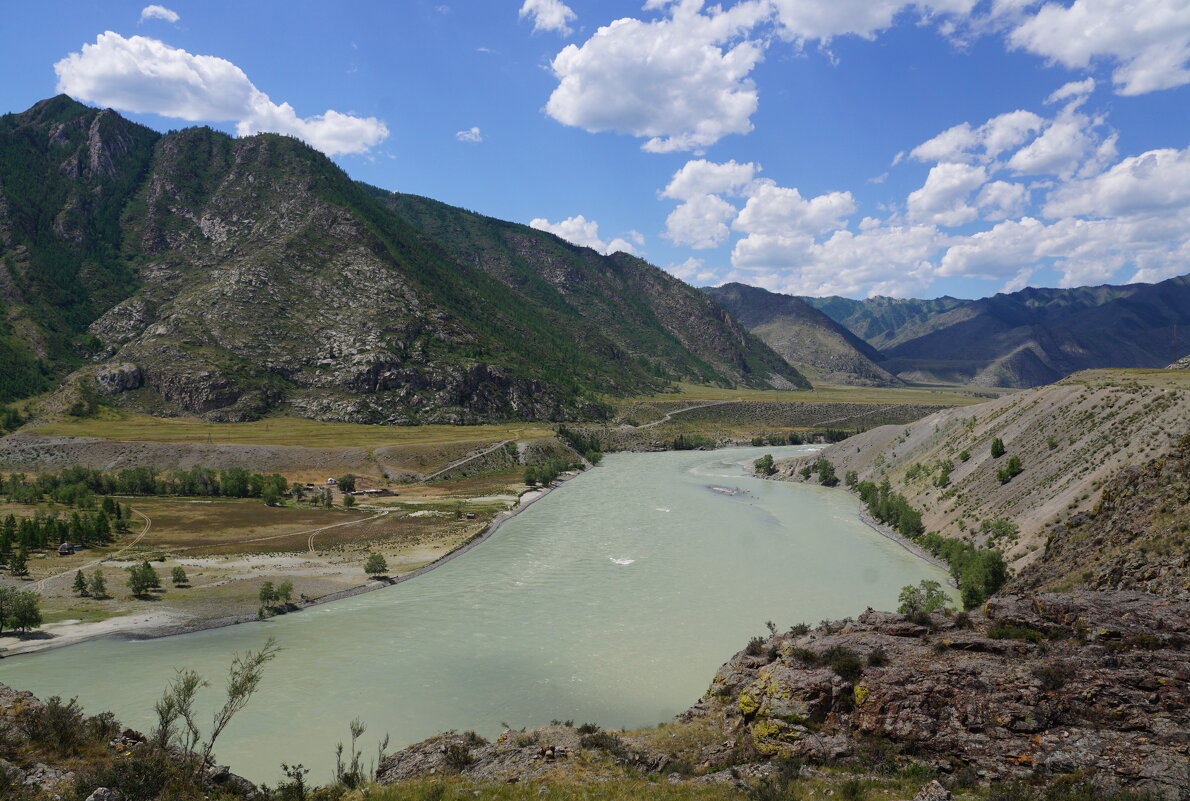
(177, 705)
(826, 473)
(140, 581)
(376, 565)
(20, 562)
(998, 449)
(531, 476)
(927, 596)
(284, 592)
(80, 585)
(1010, 470)
(98, 584)
(151, 575)
(964, 455)
(764, 465)
(268, 593)
(19, 609)
(179, 577)
(298, 491)
(347, 483)
(348, 501)
(26, 612)
(270, 496)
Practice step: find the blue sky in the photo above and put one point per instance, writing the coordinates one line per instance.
(850, 147)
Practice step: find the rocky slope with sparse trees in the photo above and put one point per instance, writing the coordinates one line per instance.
(1079, 484)
(195, 273)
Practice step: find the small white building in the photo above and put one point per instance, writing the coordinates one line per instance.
(330, 482)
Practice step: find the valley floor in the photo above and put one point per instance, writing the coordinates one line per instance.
(451, 484)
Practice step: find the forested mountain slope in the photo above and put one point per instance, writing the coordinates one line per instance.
(230, 277)
(643, 310)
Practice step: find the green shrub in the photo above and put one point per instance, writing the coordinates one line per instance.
(845, 662)
(1009, 631)
(605, 741)
(458, 757)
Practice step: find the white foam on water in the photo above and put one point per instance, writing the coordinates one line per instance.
(621, 561)
(660, 508)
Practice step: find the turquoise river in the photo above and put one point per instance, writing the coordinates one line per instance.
(613, 600)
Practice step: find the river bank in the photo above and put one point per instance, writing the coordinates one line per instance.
(885, 531)
(167, 623)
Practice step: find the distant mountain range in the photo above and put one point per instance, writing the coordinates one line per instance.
(196, 273)
(1021, 339)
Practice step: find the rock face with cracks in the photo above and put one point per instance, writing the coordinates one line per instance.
(1051, 684)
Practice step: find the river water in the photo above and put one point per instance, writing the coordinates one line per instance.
(612, 600)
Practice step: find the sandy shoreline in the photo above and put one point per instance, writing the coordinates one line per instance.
(168, 623)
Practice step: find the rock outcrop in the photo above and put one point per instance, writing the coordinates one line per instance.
(1051, 684)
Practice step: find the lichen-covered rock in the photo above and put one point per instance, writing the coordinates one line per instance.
(1057, 682)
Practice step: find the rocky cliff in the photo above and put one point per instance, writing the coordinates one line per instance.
(1031, 686)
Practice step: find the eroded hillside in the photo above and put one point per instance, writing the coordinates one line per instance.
(1070, 440)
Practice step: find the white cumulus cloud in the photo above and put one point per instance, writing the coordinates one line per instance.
(826, 19)
(1153, 182)
(1149, 40)
(549, 15)
(680, 81)
(964, 143)
(472, 134)
(702, 177)
(942, 200)
(773, 209)
(578, 230)
(144, 75)
(701, 222)
(158, 12)
(1072, 89)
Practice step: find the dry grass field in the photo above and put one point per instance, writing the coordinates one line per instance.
(294, 431)
(939, 396)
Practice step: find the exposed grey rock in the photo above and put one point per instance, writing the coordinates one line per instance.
(932, 791)
(116, 378)
(105, 794)
(1097, 683)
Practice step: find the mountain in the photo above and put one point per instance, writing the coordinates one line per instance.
(200, 274)
(1021, 339)
(805, 336)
